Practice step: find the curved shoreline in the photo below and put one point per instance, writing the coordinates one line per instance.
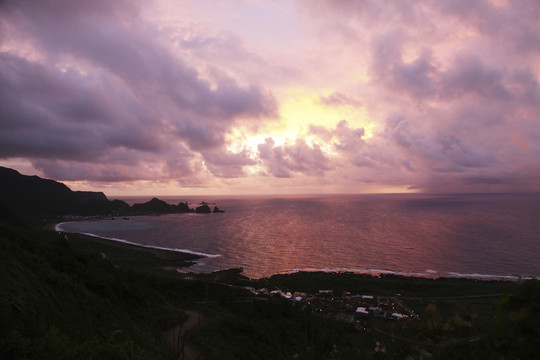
(427, 274)
(58, 227)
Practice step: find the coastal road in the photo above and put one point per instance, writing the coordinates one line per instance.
(171, 336)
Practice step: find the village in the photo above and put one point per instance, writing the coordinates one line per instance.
(347, 307)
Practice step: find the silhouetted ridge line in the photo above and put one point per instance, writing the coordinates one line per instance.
(31, 199)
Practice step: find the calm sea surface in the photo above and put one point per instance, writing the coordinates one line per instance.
(424, 235)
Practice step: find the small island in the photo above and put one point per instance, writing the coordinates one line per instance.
(157, 206)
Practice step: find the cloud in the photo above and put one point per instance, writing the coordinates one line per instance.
(338, 99)
(469, 76)
(442, 95)
(227, 164)
(288, 160)
(453, 86)
(49, 113)
(512, 25)
(229, 52)
(343, 138)
(102, 83)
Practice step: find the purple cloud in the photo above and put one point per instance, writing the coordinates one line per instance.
(288, 160)
(103, 85)
(343, 138)
(226, 164)
(49, 113)
(463, 79)
(106, 91)
(339, 99)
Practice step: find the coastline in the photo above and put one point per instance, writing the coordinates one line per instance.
(376, 273)
(128, 255)
(429, 274)
(264, 248)
(131, 280)
(57, 228)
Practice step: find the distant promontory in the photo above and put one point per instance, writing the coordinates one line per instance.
(157, 206)
(31, 199)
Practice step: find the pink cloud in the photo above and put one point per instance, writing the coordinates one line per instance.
(123, 91)
(104, 91)
(339, 99)
(292, 160)
(460, 75)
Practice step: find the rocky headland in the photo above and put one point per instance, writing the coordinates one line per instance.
(31, 199)
(157, 206)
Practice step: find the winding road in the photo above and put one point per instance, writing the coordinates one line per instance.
(170, 337)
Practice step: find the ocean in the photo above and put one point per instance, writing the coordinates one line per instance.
(486, 236)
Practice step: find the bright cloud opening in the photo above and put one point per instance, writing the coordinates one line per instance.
(252, 96)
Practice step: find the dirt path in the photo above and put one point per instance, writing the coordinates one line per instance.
(171, 336)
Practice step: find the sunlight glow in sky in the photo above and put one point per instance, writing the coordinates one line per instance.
(250, 96)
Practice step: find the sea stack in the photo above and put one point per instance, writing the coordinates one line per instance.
(203, 209)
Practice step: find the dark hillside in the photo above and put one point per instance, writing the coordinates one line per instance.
(61, 298)
(70, 296)
(8, 217)
(32, 198)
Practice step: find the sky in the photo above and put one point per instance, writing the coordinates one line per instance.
(179, 97)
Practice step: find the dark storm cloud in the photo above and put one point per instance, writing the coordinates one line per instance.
(128, 48)
(49, 113)
(103, 81)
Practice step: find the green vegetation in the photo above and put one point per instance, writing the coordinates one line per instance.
(383, 285)
(62, 298)
(69, 296)
(80, 297)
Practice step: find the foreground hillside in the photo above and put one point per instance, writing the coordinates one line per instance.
(76, 297)
(69, 296)
(65, 297)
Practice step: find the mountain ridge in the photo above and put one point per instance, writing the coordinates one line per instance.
(30, 199)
